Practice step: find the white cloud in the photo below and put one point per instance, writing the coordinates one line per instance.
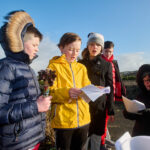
(132, 61)
(47, 50)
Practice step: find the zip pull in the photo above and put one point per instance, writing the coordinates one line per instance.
(16, 132)
(16, 138)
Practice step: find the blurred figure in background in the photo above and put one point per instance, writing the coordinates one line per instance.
(142, 118)
(119, 88)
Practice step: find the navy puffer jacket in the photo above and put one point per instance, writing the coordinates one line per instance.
(21, 125)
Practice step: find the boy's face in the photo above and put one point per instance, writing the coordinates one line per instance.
(108, 52)
(71, 50)
(94, 49)
(146, 81)
(31, 46)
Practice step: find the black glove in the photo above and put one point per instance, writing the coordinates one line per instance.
(132, 116)
(128, 115)
(145, 112)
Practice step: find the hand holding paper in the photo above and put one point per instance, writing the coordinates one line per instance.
(133, 106)
(91, 92)
(74, 93)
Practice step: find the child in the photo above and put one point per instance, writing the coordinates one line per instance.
(100, 74)
(70, 114)
(22, 122)
(117, 82)
(119, 88)
(142, 119)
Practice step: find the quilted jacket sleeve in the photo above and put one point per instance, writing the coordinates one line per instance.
(12, 112)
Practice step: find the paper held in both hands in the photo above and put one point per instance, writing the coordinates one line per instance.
(133, 106)
(91, 92)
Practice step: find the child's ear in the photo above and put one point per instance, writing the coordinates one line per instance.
(61, 49)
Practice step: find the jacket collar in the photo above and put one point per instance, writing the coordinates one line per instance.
(95, 59)
(61, 59)
(110, 59)
(20, 56)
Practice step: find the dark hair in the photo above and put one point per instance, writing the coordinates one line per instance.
(90, 34)
(68, 38)
(143, 71)
(85, 53)
(146, 74)
(108, 44)
(31, 29)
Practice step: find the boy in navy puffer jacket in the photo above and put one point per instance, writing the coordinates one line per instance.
(22, 121)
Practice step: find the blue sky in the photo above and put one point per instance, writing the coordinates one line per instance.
(125, 22)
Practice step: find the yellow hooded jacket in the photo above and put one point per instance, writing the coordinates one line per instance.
(65, 114)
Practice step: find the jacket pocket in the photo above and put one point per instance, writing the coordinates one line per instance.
(19, 131)
(12, 132)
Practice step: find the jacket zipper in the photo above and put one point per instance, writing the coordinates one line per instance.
(17, 131)
(36, 89)
(74, 85)
(34, 80)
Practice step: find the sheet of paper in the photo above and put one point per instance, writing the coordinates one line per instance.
(123, 142)
(139, 105)
(126, 142)
(140, 143)
(133, 106)
(91, 92)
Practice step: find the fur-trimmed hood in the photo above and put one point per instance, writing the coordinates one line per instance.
(14, 29)
(12, 33)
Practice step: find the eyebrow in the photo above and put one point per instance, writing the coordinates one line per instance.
(146, 79)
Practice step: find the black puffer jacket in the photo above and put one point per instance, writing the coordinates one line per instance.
(21, 126)
(100, 74)
(142, 123)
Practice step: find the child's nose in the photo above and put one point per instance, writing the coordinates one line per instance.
(37, 49)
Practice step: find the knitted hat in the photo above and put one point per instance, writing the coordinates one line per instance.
(97, 38)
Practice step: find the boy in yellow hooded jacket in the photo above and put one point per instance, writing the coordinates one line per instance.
(70, 114)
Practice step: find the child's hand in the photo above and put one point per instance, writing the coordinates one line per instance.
(43, 103)
(74, 93)
(100, 87)
(112, 118)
